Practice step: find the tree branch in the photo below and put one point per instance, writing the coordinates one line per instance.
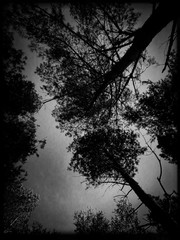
(159, 215)
(170, 44)
(163, 14)
(160, 165)
(136, 209)
(49, 100)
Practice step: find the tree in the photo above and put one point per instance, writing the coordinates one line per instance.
(38, 229)
(160, 122)
(92, 151)
(21, 102)
(88, 66)
(89, 222)
(19, 134)
(18, 204)
(104, 156)
(102, 43)
(76, 59)
(124, 220)
(168, 203)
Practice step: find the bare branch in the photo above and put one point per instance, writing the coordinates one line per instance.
(115, 23)
(170, 44)
(129, 78)
(136, 209)
(128, 192)
(159, 160)
(49, 100)
(160, 164)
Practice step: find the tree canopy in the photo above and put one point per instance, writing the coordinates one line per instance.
(93, 59)
(92, 154)
(76, 57)
(18, 204)
(124, 220)
(157, 111)
(21, 102)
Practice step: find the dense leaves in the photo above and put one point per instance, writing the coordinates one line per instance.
(78, 49)
(83, 49)
(170, 204)
(21, 102)
(157, 110)
(125, 218)
(91, 154)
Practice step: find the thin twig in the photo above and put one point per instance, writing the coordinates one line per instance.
(160, 164)
(159, 160)
(170, 44)
(136, 209)
(128, 192)
(127, 81)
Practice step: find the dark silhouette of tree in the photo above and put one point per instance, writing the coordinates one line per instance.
(100, 50)
(21, 103)
(110, 156)
(89, 63)
(19, 133)
(88, 222)
(157, 111)
(124, 220)
(18, 204)
(76, 58)
(91, 155)
(169, 204)
(37, 229)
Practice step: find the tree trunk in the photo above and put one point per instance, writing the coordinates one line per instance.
(158, 214)
(163, 15)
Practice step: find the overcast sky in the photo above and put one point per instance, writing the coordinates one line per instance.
(61, 191)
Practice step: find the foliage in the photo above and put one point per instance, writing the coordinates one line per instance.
(156, 111)
(19, 134)
(170, 204)
(21, 102)
(90, 154)
(18, 203)
(38, 229)
(124, 220)
(81, 53)
(89, 222)
(77, 51)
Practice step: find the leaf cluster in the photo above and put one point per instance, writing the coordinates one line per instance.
(20, 104)
(89, 222)
(156, 111)
(170, 204)
(18, 204)
(78, 50)
(124, 220)
(91, 154)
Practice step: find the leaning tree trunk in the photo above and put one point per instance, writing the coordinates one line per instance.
(158, 214)
(164, 14)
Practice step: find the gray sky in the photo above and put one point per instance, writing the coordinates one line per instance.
(61, 191)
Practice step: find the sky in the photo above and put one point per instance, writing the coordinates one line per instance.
(61, 191)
